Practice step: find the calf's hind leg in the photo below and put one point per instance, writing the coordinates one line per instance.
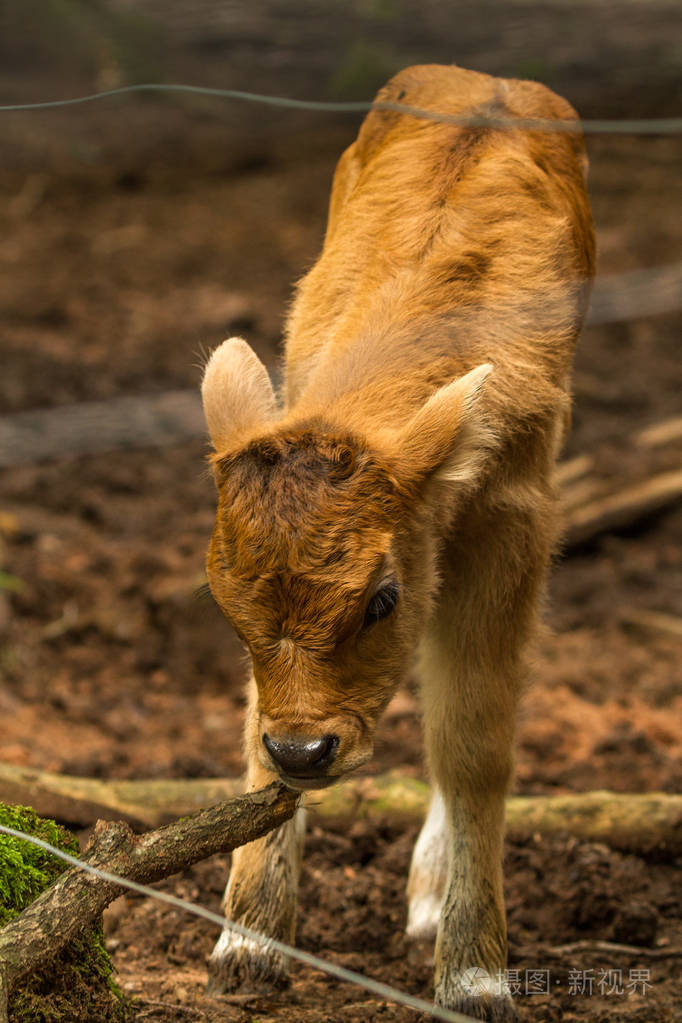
(261, 894)
(428, 873)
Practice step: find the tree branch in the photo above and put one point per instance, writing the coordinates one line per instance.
(76, 900)
(622, 507)
(647, 481)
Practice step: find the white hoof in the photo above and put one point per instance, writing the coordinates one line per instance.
(241, 964)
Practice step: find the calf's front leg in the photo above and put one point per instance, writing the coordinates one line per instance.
(455, 885)
(472, 658)
(261, 894)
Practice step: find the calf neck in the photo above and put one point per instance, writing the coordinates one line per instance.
(394, 511)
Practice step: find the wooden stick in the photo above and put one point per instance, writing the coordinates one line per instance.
(623, 507)
(573, 469)
(653, 621)
(668, 431)
(665, 432)
(610, 947)
(76, 899)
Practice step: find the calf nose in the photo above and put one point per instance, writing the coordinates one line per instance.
(301, 756)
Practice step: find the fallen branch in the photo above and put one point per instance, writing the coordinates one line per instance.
(610, 947)
(648, 824)
(79, 802)
(653, 621)
(76, 900)
(623, 507)
(171, 1007)
(594, 504)
(132, 421)
(636, 293)
(668, 431)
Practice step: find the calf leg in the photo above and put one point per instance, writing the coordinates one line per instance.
(261, 894)
(471, 672)
(471, 675)
(428, 874)
(469, 723)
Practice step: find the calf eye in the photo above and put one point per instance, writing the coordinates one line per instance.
(381, 604)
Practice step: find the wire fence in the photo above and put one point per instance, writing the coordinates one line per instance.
(375, 987)
(647, 126)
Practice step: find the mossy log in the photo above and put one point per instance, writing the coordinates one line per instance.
(648, 824)
(77, 986)
(80, 802)
(76, 900)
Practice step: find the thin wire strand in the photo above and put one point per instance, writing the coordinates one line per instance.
(376, 987)
(651, 126)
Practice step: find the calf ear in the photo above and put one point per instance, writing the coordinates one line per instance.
(448, 438)
(237, 394)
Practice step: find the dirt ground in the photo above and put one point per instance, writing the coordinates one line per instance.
(113, 281)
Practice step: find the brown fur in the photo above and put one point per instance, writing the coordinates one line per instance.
(428, 354)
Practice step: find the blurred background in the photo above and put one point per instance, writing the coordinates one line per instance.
(138, 231)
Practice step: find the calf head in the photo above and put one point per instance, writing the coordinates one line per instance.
(323, 555)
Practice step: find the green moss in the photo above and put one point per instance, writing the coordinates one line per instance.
(26, 870)
(77, 986)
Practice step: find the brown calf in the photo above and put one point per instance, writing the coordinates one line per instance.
(399, 506)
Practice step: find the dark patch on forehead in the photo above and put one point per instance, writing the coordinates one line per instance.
(303, 454)
(300, 497)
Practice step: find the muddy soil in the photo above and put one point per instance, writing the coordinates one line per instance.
(113, 282)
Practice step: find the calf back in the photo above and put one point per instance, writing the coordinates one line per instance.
(447, 246)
